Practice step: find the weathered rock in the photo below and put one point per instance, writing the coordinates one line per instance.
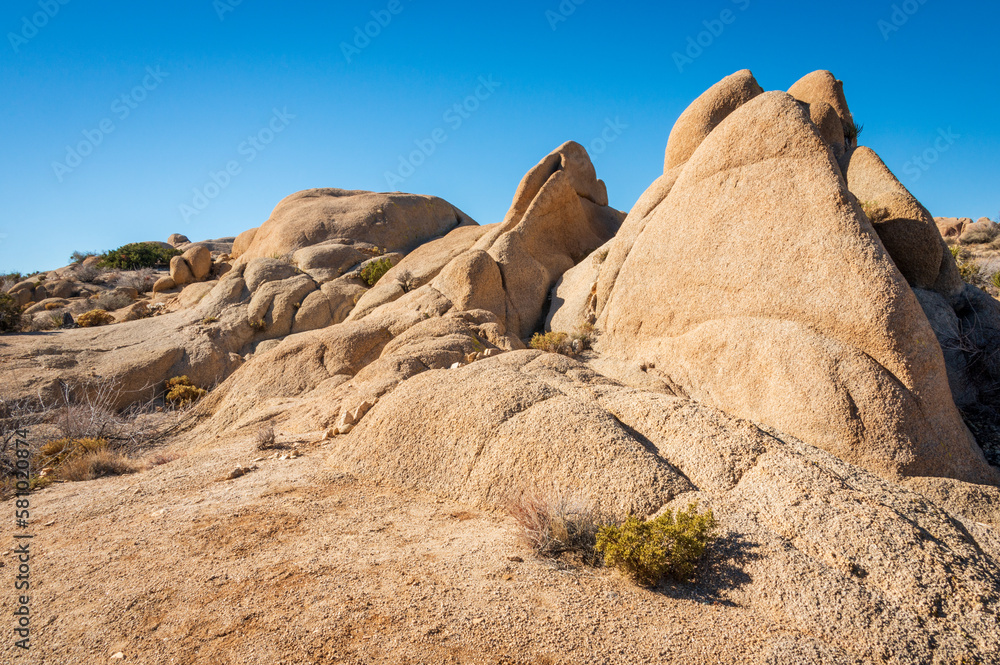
(473, 281)
(164, 284)
(180, 271)
(702, 116)
(905, 227)
(952, 227)
(199, 259)
(260, 271)
(841, 355)
(328, 261)
(419, 267)
(551, 226)
(823, 86)
(176, 239)
(394, 222)
(634, 223)
(242, 242)
(61, 288)
(523, 433)
(314, 313)
(830, 127)
(343, 294)
(275, 303)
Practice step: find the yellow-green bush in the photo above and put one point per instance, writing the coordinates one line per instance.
(668, 546)
(568, 344)
(181, 392)
(95, 317)
(374, 270)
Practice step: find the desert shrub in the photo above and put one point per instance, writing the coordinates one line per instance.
(851, 133)
(374, 270)
(668, 546)
(78, 257)
(53, 305)
(181, 392)
(10, 314)
(264, 439)
(88, 274)
(567, 344)
(109, 301)
(209, 320)
(875, 212)
(141, 280)
(8, 280)
(138, 255)
(552, 525)
(94, 318)
(94, 465)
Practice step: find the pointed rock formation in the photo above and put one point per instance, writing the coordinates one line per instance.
(780, 304)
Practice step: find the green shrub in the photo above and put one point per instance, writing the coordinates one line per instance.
(94, 318)
(181, 392)
(78, 257)
(138, 255)
(373, 271)
(10, 314)
(648, 551)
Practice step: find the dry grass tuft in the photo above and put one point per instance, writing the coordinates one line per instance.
(96, 464)
(553, 524)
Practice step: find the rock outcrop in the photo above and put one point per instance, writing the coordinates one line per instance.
(393, 222)
(839, 354)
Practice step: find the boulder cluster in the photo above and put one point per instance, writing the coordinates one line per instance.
(781, 334)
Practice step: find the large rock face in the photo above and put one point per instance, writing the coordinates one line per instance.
(394, 222)
(780, 304)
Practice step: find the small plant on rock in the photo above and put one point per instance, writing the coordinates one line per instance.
(181, 392)
(668, 546)
(874, 211)
(94, 318)
(79, 257)
(567, 344)
(374, 270)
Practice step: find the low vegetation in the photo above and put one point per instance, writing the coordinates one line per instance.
(851, 133)
(109, 301)
(181, 392)
(568, 344)
(555, 525)
(94, 318)
(875, 212)
(10, 314)
(374, 270)
(138, 255)
(79, 257)
(79, 435)
(648, 551)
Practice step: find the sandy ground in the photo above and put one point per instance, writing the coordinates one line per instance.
(297, 563)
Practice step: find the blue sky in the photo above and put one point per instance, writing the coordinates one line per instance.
(268, 91)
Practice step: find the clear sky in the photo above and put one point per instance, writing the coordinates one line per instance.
(291, 95)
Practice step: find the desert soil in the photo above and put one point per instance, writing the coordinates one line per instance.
(298, 563)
